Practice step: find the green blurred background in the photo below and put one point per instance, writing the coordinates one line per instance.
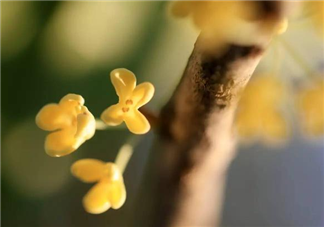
(49, 49)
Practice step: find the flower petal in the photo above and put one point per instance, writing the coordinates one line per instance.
(61, 143)
(137, 122)
(86, 125)
(113, 115)
(96, 200)
(73, 97)
(142, 94)
(89, 170)
(51, 117)
(124, 82)
(117, 194)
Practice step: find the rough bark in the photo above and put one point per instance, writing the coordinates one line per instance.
(196, 145)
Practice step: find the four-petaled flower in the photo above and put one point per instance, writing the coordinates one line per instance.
(110, 189)
(311, 105)
(259, 113)
(71, 122)
(131, 98)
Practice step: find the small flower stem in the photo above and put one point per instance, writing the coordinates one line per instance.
(100, 125)
(297, 58)
(126, 152)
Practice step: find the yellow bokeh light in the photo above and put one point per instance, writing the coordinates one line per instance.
(27, 168)
(19, 24)
(83, 35)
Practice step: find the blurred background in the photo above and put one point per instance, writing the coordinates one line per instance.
(49, 49)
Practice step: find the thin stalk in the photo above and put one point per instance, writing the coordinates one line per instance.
(125, 152)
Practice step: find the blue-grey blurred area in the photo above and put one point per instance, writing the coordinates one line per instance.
(276, 186)
(49, 49)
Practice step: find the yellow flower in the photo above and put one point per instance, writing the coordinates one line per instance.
(131, 98)
(211, 14)
(109, 190)
(219, 21)
(258, 112)
(71, 122)
(311, 106)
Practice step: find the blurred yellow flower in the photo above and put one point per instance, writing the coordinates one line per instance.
(71, 122)
(258, 113)
(131, 98)
(216, 19)
(316, 10)
(311, 106)
(211, 14)
(110, 189)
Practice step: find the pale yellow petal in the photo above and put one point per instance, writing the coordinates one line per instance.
(113, 172)
(113, 115)
(86, 125)
(142, 94)
(96, 200)
(73, 97)
(89, 170)
(124, 82)
(51, 117)
(61, 143)
(117, 194)
(136, 122)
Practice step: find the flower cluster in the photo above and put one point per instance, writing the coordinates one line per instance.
(227, 22)
(261, 111)
(71, 124)
(258, 113)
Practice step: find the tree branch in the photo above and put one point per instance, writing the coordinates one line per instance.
(196, 145)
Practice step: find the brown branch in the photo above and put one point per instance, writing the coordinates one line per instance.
(197, 134)
(196, 145)
(152, 117)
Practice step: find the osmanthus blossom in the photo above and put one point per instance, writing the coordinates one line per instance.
(208, 14)
(131, 98)
(221, 21)
(310, 104)
(258, 113)
(109, 190)
(216, 19)
(69, 122)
